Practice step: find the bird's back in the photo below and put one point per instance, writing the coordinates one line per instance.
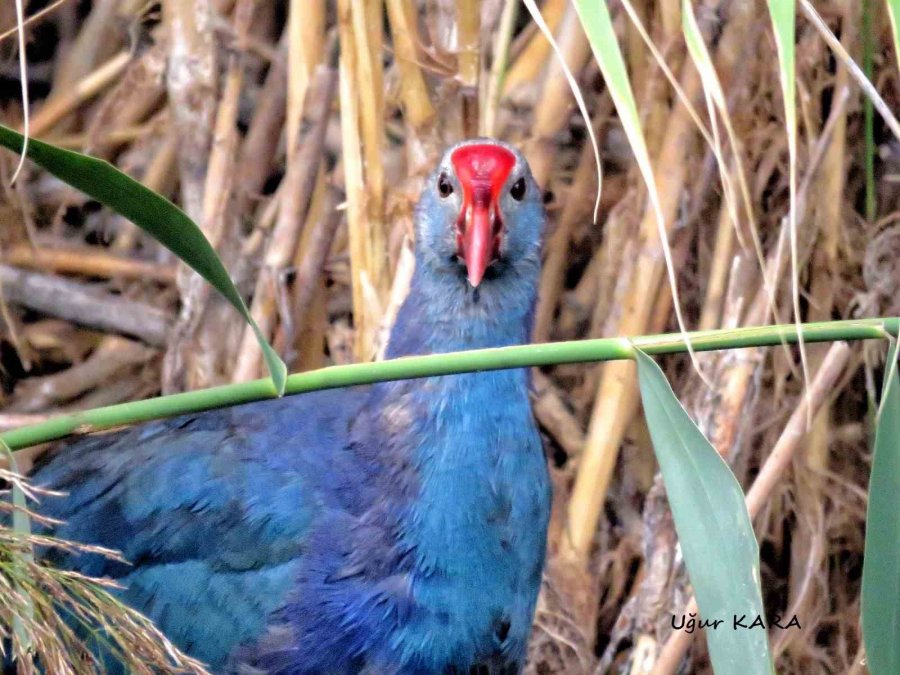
(210, 510)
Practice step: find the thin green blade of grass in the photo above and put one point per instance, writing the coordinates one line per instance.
(784, 18)
(893, 7)
(153, 213)
(597, 25)
(713, 526)
(881, 562)
(871, 202)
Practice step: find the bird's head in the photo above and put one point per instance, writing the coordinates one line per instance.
(480, 216)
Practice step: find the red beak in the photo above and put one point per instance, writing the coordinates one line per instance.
(482, 170)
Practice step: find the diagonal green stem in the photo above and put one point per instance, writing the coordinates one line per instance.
(871, 206)
(580, 351)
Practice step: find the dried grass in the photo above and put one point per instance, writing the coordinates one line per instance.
(59, 621)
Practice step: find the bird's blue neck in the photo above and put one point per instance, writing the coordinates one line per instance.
(481, 503)
(444, 313)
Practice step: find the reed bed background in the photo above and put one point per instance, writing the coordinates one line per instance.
(297, 134)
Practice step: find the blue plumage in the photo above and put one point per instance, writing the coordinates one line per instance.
(397, 528)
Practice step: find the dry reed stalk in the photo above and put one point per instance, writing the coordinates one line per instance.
(418, 112)
(310, 343)
(294, 196)
(551, 113)
(737, 60)
(124, 135)
(362, 131)
(651, 89)
(638, 57)
(357, 219)
(499, 65)
(192, 83)
(717, 280)
(603, 285)
(317, 239)
(821, 389)
(577, 207)
(611, 261)
(670, 17)
(86, 261)
(53, 338)
(729, 57)
(468, 59)
(663, 586)
(468, 26)
(304, 326)
(219, 183)
(617, 391)
(136, 95)
(80, 91)
(368, 33)
(553, 415)
(113, 355)
(738, 367)
(186, 367)
(259, 148)
(532, 59)
(129, 386)
(306, 42)
(94, 43)
(403, 274)
(841, 54)
(85, 305)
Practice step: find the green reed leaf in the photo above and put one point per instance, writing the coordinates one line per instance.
(154, 214)
(713, 526)
(881, 563)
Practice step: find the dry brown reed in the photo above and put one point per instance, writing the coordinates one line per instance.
(59, 621)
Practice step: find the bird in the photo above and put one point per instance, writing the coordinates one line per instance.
(396, 527)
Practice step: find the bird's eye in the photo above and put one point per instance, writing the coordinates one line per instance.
(517, 191)
(445, 187)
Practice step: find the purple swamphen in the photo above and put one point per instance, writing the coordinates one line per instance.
(393, 528)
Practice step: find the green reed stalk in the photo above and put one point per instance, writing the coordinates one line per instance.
(871, 206)
(553, 353)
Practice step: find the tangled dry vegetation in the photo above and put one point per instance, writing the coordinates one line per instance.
(297, 134)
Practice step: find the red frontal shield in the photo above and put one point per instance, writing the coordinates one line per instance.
(482, 170)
